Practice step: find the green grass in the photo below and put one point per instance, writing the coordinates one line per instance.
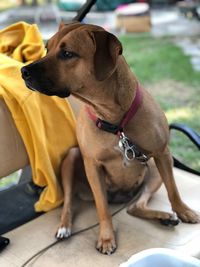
(10, 180)
(157, 59)
(5, 4)
(167, 73)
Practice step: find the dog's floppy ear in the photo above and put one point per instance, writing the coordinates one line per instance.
(62, 24)
(108, 48)
(70, 25)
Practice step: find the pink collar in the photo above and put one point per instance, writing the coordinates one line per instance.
(118, 129)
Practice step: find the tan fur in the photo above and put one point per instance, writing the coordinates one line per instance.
(101, 78)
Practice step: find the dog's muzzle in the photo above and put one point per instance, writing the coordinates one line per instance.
(27, 77)
(42, 87)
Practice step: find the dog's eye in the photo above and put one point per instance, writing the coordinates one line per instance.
(67, 54)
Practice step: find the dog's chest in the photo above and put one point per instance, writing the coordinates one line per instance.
(103, 148)
(119, 174)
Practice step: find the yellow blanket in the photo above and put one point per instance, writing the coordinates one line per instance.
(46, 124)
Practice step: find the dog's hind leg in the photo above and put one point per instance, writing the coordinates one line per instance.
(139, 207)
(164, 163)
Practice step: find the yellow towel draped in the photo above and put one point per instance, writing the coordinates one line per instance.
(46, 124)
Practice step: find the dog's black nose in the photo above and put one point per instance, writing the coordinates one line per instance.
(25, 73)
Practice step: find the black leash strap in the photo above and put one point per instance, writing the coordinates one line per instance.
(84, 10)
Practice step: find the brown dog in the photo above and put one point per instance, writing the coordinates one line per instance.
(87, 62)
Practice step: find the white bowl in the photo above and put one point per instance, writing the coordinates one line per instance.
(161, 257)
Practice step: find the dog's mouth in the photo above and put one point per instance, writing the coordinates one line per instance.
(28, 85)
(60, 93)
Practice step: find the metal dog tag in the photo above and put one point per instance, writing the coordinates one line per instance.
(126, 147)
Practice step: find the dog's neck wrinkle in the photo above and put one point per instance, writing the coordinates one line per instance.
(118, 100)
(115, 95)
(104, 103)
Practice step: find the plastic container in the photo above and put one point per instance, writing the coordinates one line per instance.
(133, 17)
(161, 257)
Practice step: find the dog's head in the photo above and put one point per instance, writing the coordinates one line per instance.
(78, 56)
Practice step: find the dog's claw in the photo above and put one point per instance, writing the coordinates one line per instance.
(107, 252)
(106, 247)
(63, 232)
(172, 221)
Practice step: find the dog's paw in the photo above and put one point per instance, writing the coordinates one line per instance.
(171, 221)
(63, 232)
(106, 246)
(189, 216)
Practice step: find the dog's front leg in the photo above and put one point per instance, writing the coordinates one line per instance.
(106, 243)
(164, 163)
(68, 166)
